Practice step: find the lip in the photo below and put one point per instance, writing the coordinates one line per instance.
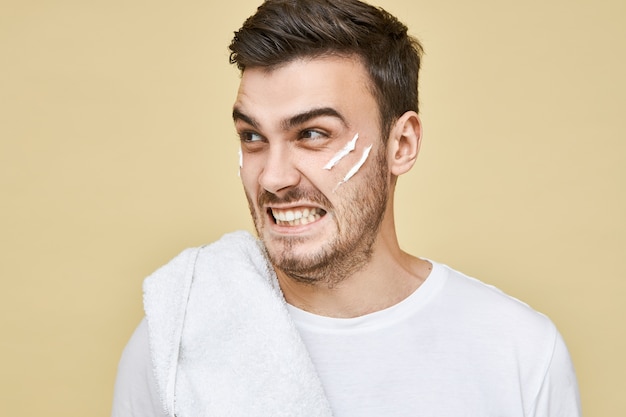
(293, 206)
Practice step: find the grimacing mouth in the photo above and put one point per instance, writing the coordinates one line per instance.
(295, 216)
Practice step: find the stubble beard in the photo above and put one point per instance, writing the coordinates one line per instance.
(358, 221)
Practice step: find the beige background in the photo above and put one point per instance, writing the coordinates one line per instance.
(117, 152)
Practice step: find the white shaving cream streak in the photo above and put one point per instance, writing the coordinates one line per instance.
(240, 161)
(356, 167)
(350, 146)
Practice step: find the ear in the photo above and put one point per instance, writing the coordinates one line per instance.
(404, 143)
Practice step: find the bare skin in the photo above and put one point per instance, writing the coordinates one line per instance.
(340, 257)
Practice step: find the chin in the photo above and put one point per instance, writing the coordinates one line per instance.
(295, 252)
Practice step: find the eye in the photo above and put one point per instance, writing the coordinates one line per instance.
(312, 134)
(250, 137)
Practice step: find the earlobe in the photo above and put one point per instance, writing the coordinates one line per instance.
(404, 143)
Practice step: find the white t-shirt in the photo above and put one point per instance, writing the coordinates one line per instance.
(455, 347)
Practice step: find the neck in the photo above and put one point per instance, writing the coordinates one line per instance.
(389, 276)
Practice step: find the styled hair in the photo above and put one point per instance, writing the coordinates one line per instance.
(282, 31)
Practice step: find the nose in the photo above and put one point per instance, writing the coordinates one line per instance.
(279, 171)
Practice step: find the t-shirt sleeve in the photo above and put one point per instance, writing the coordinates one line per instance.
(136, 393)
(558, 395)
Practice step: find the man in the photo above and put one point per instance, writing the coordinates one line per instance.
(324, 314)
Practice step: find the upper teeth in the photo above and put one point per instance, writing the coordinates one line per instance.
(294, 217)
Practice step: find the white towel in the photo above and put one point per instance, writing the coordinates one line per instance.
(222, 340)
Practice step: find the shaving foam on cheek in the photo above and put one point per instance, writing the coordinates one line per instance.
(240, 161)
(350, 146)
(356, 167)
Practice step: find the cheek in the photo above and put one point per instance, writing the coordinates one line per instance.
(315, 175)
(349, 166)
(248, 176)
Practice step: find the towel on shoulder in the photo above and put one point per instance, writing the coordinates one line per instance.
(221, 339)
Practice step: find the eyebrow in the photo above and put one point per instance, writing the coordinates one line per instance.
(304, 117)
(238, 115)
(294, 120)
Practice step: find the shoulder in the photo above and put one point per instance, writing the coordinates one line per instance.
(136, 392)
(471, 293)
(509, 335)
(489, 312)
(232, 247)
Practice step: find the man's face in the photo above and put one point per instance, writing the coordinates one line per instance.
(318, 223)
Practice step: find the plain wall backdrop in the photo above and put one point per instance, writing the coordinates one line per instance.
(117, 151)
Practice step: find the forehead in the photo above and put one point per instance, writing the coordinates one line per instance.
(337, 82)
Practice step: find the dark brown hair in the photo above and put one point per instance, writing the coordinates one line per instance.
(284, 30)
